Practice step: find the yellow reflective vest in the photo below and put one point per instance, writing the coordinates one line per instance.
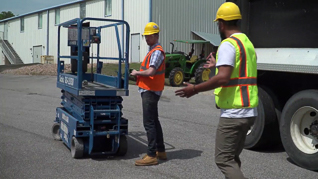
(241, 91)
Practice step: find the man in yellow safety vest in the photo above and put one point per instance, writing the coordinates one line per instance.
(236, 92)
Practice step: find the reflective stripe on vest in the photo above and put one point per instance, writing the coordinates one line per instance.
(243, 72)
(239, 82)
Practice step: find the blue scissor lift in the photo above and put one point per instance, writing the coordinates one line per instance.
(90, 121)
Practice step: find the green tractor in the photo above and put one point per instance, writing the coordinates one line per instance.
(182, 67)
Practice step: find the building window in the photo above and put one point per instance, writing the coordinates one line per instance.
(83, 10)
(22, 24)
(40, 17)
(57, 16)
(108, 7)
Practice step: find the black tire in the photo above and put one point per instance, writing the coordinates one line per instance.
(176, 77)
(301, 101)
(203, 74)
(77, 147)
(265, 131)
(123, 146)
(56, 131)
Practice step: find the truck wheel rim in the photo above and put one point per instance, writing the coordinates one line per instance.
(205, 74)
(178, 77)
(300, 124)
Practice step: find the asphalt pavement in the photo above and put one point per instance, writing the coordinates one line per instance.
(27, 149)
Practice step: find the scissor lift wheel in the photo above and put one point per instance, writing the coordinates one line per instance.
(56, 131)
(123, 146)
(77, 147)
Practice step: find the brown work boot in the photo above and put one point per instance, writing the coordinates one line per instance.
(161, 155)
(146, 161)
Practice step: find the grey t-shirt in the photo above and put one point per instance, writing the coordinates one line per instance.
(226, 56)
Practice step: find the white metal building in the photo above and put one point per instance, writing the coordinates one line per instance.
(29, 36)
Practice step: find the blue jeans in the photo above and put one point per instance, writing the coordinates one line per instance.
(151, 123)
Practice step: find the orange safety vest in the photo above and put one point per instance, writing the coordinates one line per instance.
(156, 82)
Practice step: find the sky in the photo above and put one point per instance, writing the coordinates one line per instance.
(18, 7)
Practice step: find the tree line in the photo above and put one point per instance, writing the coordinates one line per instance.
(5, 15)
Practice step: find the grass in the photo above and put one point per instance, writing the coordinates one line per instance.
(111, 69)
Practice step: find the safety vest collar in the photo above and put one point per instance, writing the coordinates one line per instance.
(154, 46)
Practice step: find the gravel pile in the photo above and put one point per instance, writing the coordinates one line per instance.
(39, 69)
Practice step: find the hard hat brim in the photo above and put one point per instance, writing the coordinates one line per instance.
(150, 33)
(229, 18)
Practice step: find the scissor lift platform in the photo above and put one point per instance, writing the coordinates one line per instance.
(90, 120)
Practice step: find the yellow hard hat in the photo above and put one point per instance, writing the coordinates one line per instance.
(151, 28)
(228, 11)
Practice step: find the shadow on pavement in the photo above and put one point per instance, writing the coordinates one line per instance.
(183, 154)
(137, 146)
(270, 149)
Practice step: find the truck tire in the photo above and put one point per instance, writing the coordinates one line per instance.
(265, 131)
(202, 74)
(299, 129)
(176, 77)
(77, 147)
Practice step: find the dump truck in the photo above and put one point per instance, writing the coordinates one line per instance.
(285, 39)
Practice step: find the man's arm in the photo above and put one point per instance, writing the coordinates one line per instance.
(149, 72)
(155, 62)
(222, 78)
(225, 67)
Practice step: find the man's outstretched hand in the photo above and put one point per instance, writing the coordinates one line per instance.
(187, 91)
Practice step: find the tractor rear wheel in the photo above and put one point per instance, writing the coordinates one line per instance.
(202, 74)
(176, 76)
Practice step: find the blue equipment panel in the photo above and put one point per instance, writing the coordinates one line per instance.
(101, 86)
(80, 106)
